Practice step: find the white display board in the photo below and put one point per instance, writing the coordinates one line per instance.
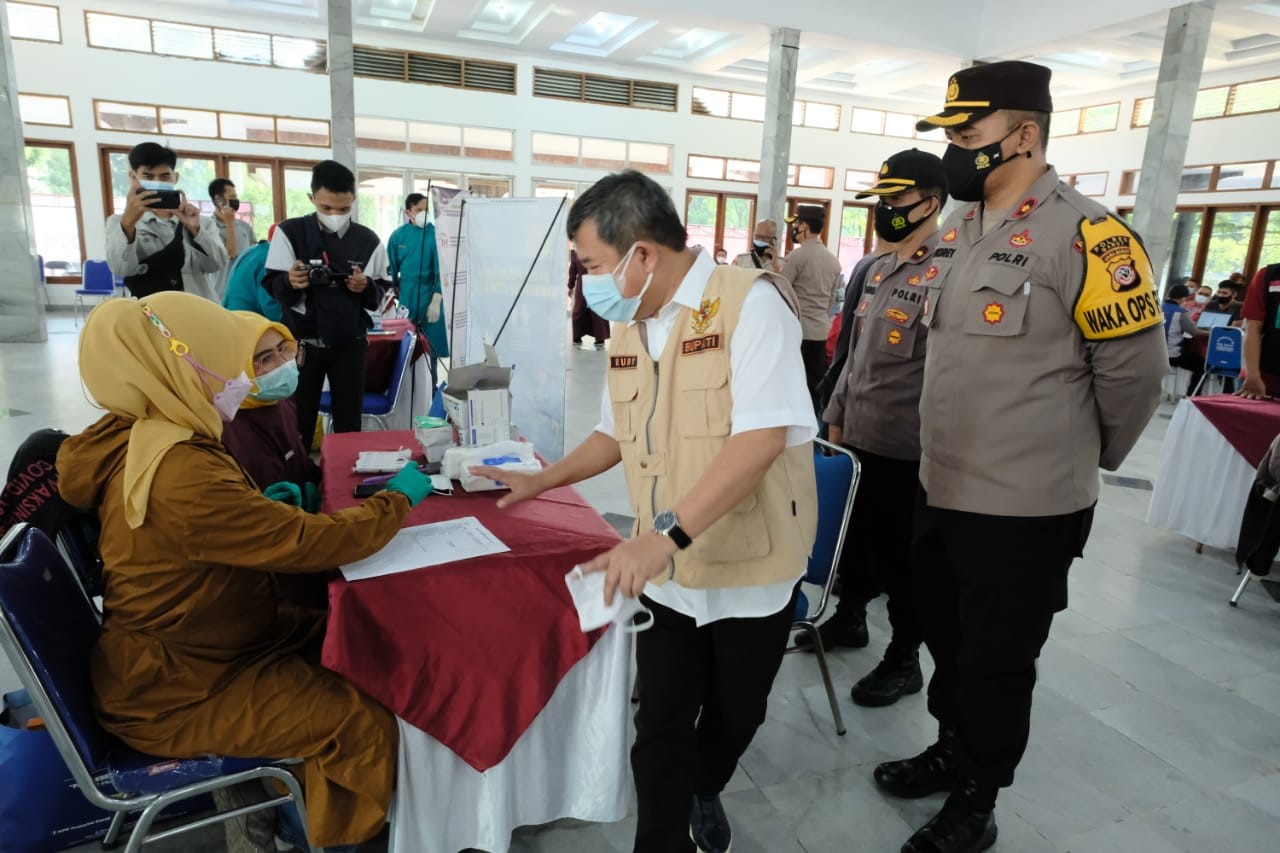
(500, 239)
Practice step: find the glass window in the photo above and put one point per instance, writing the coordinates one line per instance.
(1183, 241)
(823, 116)
(488, 143)
(1129, 182)
(648, 157)
(819, 177)
(701, 213)
(45, 109)
(857, 181)
(710, 102)
(1241, 176)
(1065, 123)
(181, 40)
(51, 182)
(555, 148)
(899, 124)
(241, 46)
(488, 186)
(1100, 118)
(444, 139)
(302, 131)
(297, 186)
(1211, 103)
(120, 33)
(745, 106)
(738, 225)
(935, 134)
(1092, 183)
(1228, 243)
(1142, 109)
(255, 186)
(304, 54)
(1271, 237)
(853, 235)
(707, 167)
(194, 175)
(249, 128)
(868, 121)
(387, 135)
(1195, 179)
(189, 122)
(1275, 175)
(742, 170)
(604, 154)
(1256, 97)
(35, 22)
(135, 118)
(380, 196)
(554, 189)
(118, 174)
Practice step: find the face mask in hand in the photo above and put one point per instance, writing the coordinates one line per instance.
(278, 384)
(603, 293)
(334, 221)
(233, 203)
(587, 592)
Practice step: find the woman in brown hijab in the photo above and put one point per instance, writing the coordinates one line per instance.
(195, 655)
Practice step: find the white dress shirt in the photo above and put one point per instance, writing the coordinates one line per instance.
(769, 390)
(204, 254)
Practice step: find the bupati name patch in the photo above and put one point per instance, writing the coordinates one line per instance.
(624, 362)
(693, 346)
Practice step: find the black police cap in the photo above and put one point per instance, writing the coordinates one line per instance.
(908, 170)
(976, 92)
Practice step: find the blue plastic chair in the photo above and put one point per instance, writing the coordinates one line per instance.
(98, 281)
(382, 406)
(1225, 358)
(837, 471)
(48, 629)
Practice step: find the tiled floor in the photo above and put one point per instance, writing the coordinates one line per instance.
(1156, 725)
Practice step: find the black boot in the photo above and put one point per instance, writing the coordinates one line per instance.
(848, 630)
(708, 825)
(929, 772)
(966, 824)
(896, 676)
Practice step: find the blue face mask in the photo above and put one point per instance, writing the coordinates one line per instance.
(603, 293)
(156, 186)
(278, 384)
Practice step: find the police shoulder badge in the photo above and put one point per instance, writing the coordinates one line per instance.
(1117, 297)
(703, 316)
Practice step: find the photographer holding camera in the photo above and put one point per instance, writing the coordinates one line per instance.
(160, 241)
(327, 273)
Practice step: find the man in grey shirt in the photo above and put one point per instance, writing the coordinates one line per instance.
(814, 274)
(155, 248)
(237, 235)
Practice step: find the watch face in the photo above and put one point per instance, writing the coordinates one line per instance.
(664, 522)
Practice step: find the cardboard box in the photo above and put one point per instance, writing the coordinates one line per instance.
(478, 401)
(435, 435)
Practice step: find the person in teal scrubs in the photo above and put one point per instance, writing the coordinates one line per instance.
(244, 283)
(415, 269)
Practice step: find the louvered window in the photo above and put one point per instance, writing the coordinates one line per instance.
(598, 89)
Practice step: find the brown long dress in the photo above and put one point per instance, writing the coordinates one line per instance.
(195, 655)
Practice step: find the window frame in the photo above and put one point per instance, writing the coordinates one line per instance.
(218, 114)
(1226, 108)
(1268, 176)
(71, 119)
(75, 189)
(57, 15)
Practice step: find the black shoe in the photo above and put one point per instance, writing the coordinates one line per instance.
(960, 827)
(837, 632)
(708, 826)
(893, 678)
(929, 772)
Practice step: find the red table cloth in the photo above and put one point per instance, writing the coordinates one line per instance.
(469, 652)
(1248, 425)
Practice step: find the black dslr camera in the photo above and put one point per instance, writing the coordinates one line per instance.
(320, 275)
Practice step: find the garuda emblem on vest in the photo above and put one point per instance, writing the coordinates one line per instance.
(703, 316)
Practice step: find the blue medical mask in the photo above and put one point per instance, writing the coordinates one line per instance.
(603, 293)
(156, 186)
(760, 244)
(278, 384)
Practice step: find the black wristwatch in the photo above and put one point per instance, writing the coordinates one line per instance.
(666, 524)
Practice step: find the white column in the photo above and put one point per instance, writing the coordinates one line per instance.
(779, 107)
(342, 84)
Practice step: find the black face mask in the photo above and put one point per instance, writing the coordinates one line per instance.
(1223, 300)
(967, 169)
(893, 225)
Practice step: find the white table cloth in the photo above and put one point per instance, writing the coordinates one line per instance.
(1202, 484)
(570, 763)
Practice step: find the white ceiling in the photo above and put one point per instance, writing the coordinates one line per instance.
(870, 49)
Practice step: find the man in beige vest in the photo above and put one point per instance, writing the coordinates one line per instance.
(763, 251)
(706, 409)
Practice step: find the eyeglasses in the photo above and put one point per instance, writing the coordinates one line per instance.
(268, 359)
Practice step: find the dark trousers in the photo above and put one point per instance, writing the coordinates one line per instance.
(343, 365)
(986, 590)
(1194, 363)
(814, 354)
(703, 694)
(877, 547)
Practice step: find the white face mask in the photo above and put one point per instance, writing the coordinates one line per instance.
(587, 592)
(1202, 299)
(420, 219)
(334, 221)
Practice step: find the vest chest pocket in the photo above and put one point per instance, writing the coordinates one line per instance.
(624, 388)
(997, 304)
(704, 407)
(740, 534)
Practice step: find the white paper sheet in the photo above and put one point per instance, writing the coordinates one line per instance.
(428, 545)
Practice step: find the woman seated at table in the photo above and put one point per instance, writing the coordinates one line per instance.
(195, 656)
(1178, 328)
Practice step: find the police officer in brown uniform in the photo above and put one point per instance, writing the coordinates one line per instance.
(875, 411)
(1044, 362)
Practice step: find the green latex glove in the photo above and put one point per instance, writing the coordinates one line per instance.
(285, 492)
(310, 497)
(411, 483)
